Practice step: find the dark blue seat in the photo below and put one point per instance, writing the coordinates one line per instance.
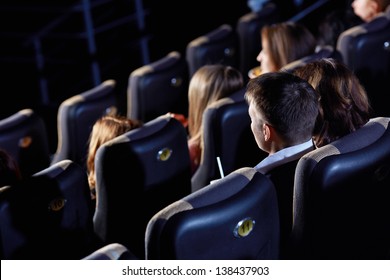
(366, 50)
(326, 52)
(341, 197)
(219, 46)
(137, 174)
(48, 216)
(76, 117)
(23, 136)
(234, 218)
(158, 88)
(112, 251)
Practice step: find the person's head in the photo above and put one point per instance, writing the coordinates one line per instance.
(106, 128)
(344, 103)
(283, 109)
(256, 5)
(331, 26)
(283, 43)
(9, 169)
(369, 9)
(208, 84)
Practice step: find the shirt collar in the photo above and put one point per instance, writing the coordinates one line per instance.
(283, 156)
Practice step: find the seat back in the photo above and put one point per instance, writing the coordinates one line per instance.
(112, 251)
(233, 218)
(219, 46)
(48, 216)
(158, 88)
(76, 117)
(248, 29)
(366, 50)
(23, 136)
(322, 53)
(137, 174)
(226, 134)
(341, 197)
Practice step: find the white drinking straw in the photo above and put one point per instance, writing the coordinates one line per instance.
(220, 167)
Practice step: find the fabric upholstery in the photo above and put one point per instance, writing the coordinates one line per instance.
(341, 196)
(158, 88)
(23, 135)
(202, 225)
(138, 174)
(219, 46)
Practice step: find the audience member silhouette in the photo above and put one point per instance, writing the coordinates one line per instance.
(367, 10)
(106, 128)
(344, 104)
(208, 84)
(282, 43)
(283, 109)
(330, 27)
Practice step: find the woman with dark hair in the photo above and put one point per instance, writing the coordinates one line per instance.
(283, 43)
(344, 104)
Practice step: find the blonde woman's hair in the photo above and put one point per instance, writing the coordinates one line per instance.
(106, 128)
(208, 84)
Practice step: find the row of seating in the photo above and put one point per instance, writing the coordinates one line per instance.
(227, 115)
(24, 134)
(227, 134)
(341, 209)
(221, 120)
(153, 90)
(145, 203)
(161, 86)
(48, 215)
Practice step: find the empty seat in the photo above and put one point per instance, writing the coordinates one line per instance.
(158, 88)
(137, 174)
(234, 218)
(219, 46)
(341, 197)
(75, 118)
(23, 136)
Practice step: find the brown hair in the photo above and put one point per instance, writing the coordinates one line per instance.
(382, 4)
(344, 102)
(287, 102)
(288, 41)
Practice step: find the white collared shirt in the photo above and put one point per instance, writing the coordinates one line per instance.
(284, 156)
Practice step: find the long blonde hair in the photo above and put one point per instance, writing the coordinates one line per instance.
(106, 128)
(208, 84)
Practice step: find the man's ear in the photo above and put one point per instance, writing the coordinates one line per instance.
(374, 6)
(267, 131)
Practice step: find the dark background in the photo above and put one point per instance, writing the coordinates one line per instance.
(58, 29)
